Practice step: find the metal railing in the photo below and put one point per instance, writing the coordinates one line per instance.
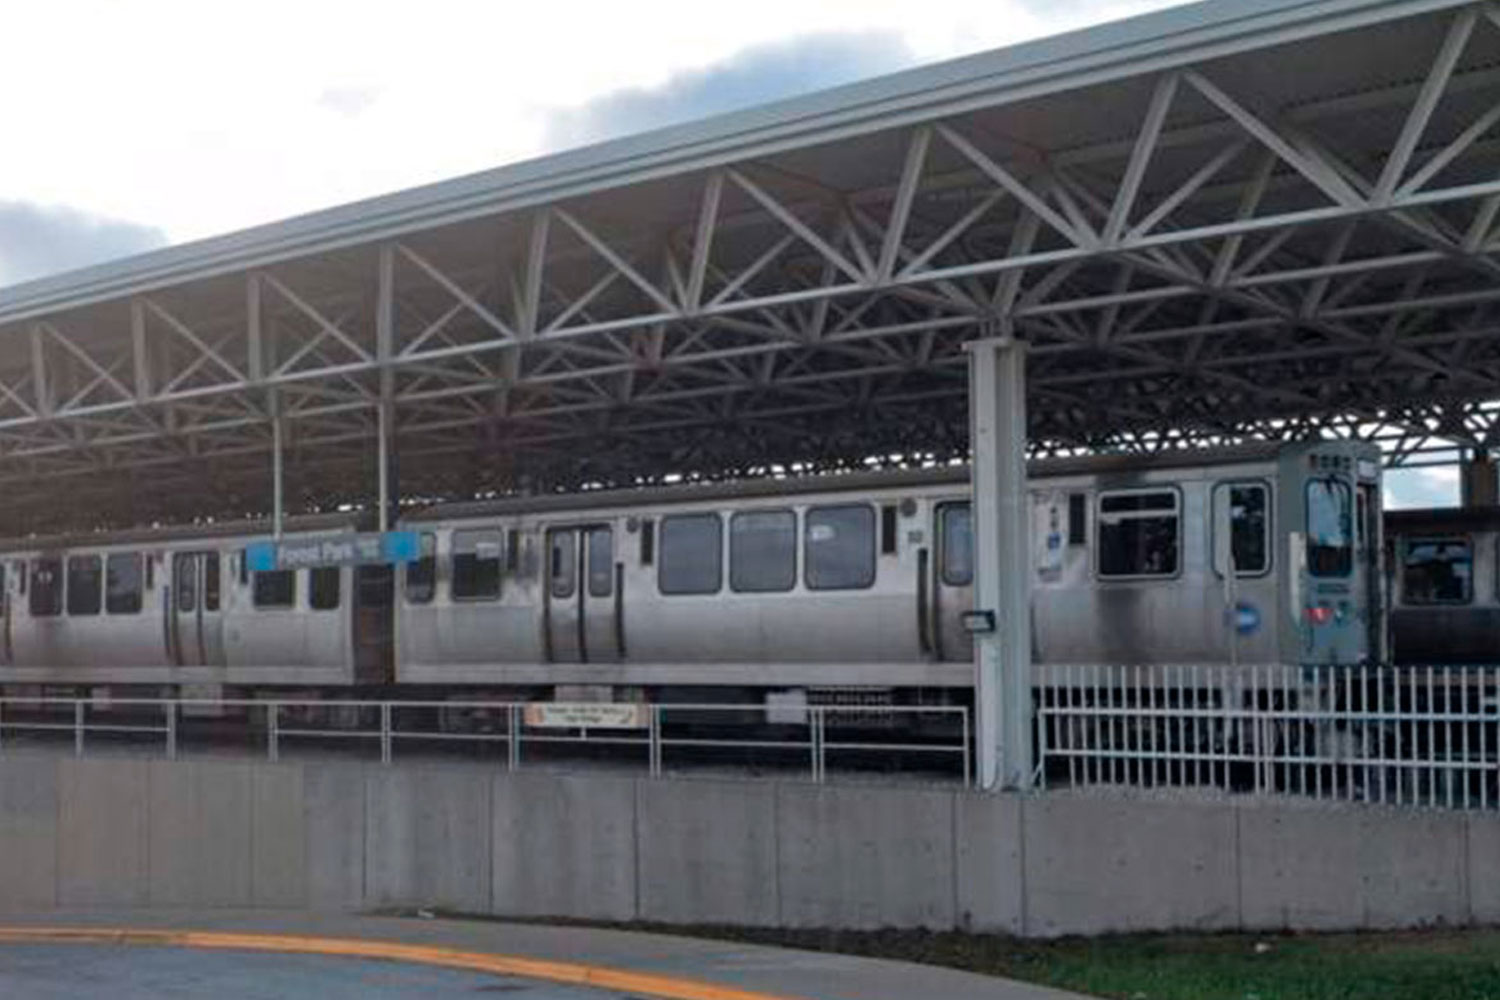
(1416, 736)
(667, 738)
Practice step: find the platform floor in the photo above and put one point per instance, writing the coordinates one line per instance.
(572, 963)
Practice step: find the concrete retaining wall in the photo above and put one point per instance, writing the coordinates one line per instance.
(84, 833)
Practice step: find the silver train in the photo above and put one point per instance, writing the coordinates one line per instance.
(820, 586)
(1445, 586)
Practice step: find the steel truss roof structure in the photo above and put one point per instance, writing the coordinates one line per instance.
(1238, 219)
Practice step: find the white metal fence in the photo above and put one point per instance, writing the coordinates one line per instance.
(1424, 736)
(662, 738)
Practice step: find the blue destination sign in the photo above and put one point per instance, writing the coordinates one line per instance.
(334, 550)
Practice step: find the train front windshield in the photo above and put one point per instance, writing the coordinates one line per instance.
(1330, 542)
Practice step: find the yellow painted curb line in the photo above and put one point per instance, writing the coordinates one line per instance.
(571, 973)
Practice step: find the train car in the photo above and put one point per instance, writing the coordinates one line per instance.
(829, 587)
(1445, 586)
(178, 608)
(1253, 555)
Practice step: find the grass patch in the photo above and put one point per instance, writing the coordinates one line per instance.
(1408, 965)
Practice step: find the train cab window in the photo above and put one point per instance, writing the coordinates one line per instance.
(561, 550)
(1139, 533)
(323, 587)
(1437, 571)
(888, 529)
(46, 588)
(648, 542)
(762, 551)
(211, 581)
(122, 583)
(1330, 545)
(1245, 509)
(1078, 514)
(839, 549)
(601, 562)
(476, 565)
(421, 575)
(692, 554)
(956, 527)
(275, 588)
(85, 585)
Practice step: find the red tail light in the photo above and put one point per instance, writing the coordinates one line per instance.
(1320, 614)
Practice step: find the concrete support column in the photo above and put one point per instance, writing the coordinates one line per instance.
(1002, 579)
(1479, 484)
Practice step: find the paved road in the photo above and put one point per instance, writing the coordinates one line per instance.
(701, 969)
(79, 972)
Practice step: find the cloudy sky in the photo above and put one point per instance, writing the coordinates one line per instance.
(132, 125)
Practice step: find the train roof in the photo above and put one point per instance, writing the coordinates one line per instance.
(246, 528)
(884, 479)
(1443, 519)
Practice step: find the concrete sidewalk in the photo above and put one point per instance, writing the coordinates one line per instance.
(779, 973)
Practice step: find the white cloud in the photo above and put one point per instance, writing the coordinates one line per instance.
(196, 118)
(1434, 486)
(38, 239)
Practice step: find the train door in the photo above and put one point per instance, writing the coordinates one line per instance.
(6, 656)
(196, 634)
(952, 582)
(1371, 552)
(582, 595)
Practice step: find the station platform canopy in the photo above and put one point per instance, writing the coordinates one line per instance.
(1229, 220)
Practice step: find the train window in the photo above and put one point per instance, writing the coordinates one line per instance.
(211, 581)
(323, 588)
(887, 529)
(476, 565)
(564, 556)
(601, 562)
(1139, 533)
(1078, 514)
(839, 550)
(46, 588)
(648, 542)
(1330, 548)
(762, 551)
(85, 585)
(512, 550)
(122, 583)
(957, 529)
(185, 580)
(421, 575)
(1245, 509)
(21, 572)
(150, 572)
(275, 588)
(692, 554)
(1437, 571)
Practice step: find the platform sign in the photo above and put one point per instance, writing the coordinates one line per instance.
(585, 715)
(371, 549)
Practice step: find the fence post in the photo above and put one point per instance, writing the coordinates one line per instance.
(968, 765)
(654, 738)
(78, 728)
(513, 730)
(385, 732)
(817, 744)
(273, 737)
(171, 708)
